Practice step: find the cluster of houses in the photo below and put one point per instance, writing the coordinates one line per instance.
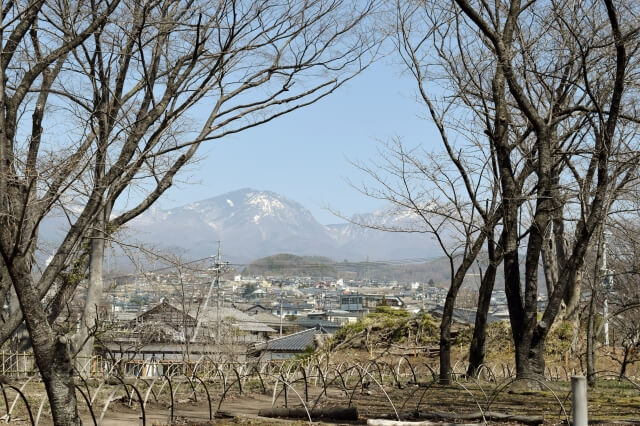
(258, 318)
(172, 332)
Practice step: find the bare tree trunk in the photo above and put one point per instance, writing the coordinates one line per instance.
(84, 339)
(449, 305)
(591, 343)
(625, 362)
(536, 361)
(550, 264)
(445, 331)
(477, 349)
(51, 352)
(572, 296)
(445, 350)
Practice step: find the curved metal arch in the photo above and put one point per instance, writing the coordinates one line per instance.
(89, 406)
(24, 399)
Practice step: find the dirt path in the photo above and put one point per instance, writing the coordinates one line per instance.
(245, 407)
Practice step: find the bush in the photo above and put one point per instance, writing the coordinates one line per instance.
(387, 325)
(559, 339)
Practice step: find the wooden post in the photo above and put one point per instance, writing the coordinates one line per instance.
(613, 340)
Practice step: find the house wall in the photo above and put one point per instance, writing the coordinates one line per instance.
(271, 356)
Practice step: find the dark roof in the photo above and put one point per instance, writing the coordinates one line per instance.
(162, 308)
(334, 312)
(313, 323)
(254, 306)
(287, 305)
(296, 342)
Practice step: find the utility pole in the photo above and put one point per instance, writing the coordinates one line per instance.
(216, 268)
(217, 271)
(607, 285)
(281, 312)
(366, 274)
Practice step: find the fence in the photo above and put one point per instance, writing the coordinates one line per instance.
(18, 364)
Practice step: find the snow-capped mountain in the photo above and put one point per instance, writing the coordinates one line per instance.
(361, 240)
(252, 224)
(249, 223)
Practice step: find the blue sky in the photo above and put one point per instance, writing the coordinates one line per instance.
(305, 155)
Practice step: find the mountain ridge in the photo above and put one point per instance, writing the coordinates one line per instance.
(253, 223)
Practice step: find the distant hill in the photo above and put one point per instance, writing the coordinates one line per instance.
(436, 270)
(287, 265)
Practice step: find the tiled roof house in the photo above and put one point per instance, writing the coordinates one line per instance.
(288, 347)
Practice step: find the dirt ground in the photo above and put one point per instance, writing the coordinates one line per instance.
(612, 402)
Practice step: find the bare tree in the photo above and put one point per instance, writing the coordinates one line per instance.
(427, 197)
(617, 286)
(463, 110)
(101, 98)
(532, 74)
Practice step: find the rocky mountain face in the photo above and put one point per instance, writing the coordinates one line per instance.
(252, 224)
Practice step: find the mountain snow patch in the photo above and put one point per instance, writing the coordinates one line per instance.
(256, 219)
(230, 203)
(265, 203)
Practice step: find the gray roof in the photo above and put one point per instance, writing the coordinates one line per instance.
(233, 317)
(296, 342)
(269, 319)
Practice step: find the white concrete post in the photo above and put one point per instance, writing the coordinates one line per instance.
(579, 401)
(605, 315)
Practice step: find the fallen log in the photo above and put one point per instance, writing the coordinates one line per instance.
(476, 416)
(488, 415)
(251, 419)
(380, 422)
(332, 413)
